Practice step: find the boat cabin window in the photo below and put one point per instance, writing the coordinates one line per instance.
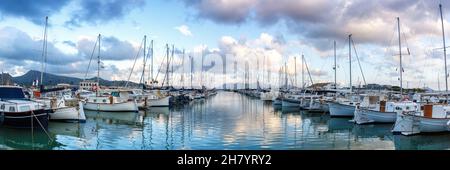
(115, 94)
(104, 100)
(12, 109)
(95, 100)
(24, 108)
(2, 107)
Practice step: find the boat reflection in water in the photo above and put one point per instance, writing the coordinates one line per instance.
(11, 138)
(115, 117)
(421, 142)
(225, 121)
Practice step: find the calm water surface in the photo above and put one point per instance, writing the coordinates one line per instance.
(225, 121)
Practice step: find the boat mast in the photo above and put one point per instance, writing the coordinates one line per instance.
(445, 54)
(151, 67)
(167, 64)
(172, 62)
(350, 59)
(285, 75)
(44, 50)
(145, 61)
(303, 72)
(295, 72)
(334, 68)
(400, 51)
(182, 75)
(98, 66)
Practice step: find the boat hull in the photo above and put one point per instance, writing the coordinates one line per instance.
(364, 116)
(289, 103)
(68, 114)
(129, 106)
(430, 125)
(162, 102)
(341, 110)
(23, 119)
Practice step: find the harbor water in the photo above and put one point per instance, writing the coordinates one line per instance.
(227, 120)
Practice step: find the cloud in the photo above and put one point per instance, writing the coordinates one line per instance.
(222, 11)
(183, 29)
(18, 46)
(20, 53)
(34, 11)
(111, 48)
(99, 12)
(322, 20)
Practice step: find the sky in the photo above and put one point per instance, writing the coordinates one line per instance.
(266, 34)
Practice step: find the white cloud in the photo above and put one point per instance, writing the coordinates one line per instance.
(183, 29)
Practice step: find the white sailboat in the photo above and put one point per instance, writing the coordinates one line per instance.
(107, 103)
(345, 107)
(433, 117)
(59, 110)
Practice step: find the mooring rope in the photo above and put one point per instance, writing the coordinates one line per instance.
(40, 124)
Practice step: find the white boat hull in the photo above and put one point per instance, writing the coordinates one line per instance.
(67, 114)
(433, 124)
(363, 116)
(129, 106)
(405, 124)
(340, 110)
(162, 102)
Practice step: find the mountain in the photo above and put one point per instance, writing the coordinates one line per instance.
(6, 79)
(52, 79)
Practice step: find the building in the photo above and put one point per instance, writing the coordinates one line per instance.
(88, 85)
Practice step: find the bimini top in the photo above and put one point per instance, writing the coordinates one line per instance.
(11, 92)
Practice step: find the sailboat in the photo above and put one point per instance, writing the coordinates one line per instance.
(57, 104)
(376, 108)
(107, 103)
(433, 117)
(345, 107)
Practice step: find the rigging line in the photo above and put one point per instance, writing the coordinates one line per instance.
(134, 64)
(159, 70)
(92, 55)
(360, 69)
(309, 73)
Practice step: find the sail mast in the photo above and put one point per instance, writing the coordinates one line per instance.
(295, 72)
(182, 74)
(400, 53)
(350, 59)
(98, 66)
(167, 68)
(303, 72)
(151, 67)
(44, 50)
(145, 61)
(335, 77)
(445, 54)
